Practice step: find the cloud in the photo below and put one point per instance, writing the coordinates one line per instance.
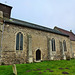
(48, 13)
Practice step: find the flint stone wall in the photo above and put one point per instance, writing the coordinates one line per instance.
(39, 41)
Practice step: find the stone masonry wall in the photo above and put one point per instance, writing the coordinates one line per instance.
(39, 41)
(73, 48)
(1, 30)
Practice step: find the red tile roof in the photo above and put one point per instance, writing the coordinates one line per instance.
(71, 34)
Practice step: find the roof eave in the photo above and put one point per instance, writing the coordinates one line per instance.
(11, 22)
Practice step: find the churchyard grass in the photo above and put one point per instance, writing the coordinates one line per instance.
(59, 67)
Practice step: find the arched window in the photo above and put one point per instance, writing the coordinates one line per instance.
(19, 41)
(53, 44)
(64, 45)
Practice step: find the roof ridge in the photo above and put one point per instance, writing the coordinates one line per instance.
(6, 5)
(62, 29)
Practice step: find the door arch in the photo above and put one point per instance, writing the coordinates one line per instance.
(38, 55)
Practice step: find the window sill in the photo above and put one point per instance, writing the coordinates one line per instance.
(19, 50)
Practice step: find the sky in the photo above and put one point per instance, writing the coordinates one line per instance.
(48, 13)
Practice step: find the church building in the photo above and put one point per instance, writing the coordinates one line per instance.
(24, 42)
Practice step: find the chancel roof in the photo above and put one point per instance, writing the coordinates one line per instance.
(70, 33)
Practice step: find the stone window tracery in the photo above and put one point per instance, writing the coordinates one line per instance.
(53, 44)
(19, 41)
(64, 45)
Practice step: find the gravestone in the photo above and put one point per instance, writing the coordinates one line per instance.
(14, 69)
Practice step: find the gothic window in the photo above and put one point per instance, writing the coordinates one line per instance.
(19, 41)
(53, 44)
(64, 45)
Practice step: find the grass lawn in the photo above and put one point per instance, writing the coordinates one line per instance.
(43, 68)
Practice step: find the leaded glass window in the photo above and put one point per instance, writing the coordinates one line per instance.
(64, 45)
(19, 41)
(53, 44)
